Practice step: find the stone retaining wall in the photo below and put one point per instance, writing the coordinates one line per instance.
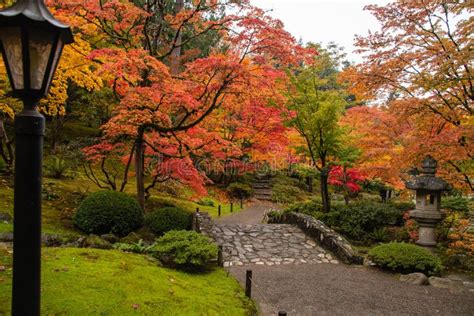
(326, 236)
(202, 223)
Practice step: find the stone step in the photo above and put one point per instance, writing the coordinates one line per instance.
(263, 192)
(261, 185)
(263, 197)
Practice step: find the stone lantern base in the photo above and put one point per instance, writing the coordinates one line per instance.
(427, 222)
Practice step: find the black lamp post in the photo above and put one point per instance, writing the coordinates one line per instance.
(31, 41)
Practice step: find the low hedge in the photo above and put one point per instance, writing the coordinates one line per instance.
(405, 258)
(168, 218)
(106, 212)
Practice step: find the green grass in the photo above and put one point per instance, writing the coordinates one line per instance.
(100, 282)
(159, 201)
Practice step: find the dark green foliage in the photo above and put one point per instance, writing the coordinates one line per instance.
(274, 217)
(56, 167)
(405, 258)
(165, 219)
(184, 248)
(455, 203)
(313, 207)
(380, 234)
(402, 206)
(108, 212)
(359, 221)
(282, 193)
(240, 190)
(206, 202)
(2, 165)
(137, 247)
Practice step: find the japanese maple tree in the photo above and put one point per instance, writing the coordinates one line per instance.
(347, 179)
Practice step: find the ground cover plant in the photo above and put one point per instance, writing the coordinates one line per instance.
(118, 283)
(185, 249)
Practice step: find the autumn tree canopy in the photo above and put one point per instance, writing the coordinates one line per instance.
(171, 65)
(418, 71)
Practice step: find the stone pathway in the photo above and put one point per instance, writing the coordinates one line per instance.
(267, 244)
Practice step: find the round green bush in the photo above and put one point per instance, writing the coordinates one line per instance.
(405, 258)
(165, 219)
(108, 212)
(184, 248)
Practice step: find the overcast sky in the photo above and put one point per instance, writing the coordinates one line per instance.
(324, 20)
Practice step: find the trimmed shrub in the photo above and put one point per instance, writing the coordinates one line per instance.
(240, 190)
(165, 219)
(405, 258)
(108, 212)
(185, 249)
(359, 221)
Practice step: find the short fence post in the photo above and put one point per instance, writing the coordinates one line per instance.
(241, 203)
(281, 313)
(219, 211)
(220, 259)
(231, 207)
(197, 209)
(248, 284)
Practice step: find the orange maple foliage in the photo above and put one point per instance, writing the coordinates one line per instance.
(418, 71)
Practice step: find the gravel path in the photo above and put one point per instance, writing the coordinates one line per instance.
(253, 214)
(328, 289)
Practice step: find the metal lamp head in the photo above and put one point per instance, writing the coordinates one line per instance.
(31, 41)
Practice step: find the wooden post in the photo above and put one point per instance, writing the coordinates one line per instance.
(197, 209)
(241, 203)
(219, 211)
(231, 207)
(220, 259)
(248, 284)
(281, 313)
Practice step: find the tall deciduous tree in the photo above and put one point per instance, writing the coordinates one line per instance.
(316, 102)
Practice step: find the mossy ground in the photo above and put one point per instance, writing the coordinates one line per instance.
(108, 282)
(62, 196)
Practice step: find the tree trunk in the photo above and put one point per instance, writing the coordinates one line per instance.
(309, 183)
(176, 53)
(6, 150)
(139, 171)
(324, 190)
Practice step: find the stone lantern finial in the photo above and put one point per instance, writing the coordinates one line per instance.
(429, 166)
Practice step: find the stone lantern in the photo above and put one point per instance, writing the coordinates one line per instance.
(427, 212)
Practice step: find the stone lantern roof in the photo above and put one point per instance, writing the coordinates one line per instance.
(427, 180)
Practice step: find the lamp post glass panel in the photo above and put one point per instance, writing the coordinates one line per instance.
(31, 42)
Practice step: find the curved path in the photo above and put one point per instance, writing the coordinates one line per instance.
(314, 287)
